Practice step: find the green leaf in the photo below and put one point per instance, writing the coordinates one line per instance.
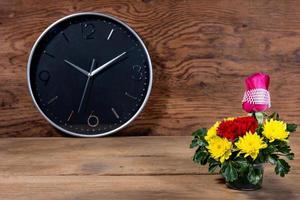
(290, 156)
(291, 127)
(284, 148)
(260, 129)
(274, 115)
(254, 175)
(212, 167)
(273, 159)
(202, 142)
(242, 164)
(282, 167)
(262, 157)
(229, 172)
(200, 132)
(198, 142)
(271, 148)
(213, 164)
(194, 143)
(199, 139)
(201, 156)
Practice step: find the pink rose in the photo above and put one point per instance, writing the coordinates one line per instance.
(257, 97)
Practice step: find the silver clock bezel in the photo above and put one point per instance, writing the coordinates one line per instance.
(108, 132)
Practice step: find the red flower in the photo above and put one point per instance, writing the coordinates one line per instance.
(232, 129)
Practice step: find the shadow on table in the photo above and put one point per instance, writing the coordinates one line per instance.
(273, 188)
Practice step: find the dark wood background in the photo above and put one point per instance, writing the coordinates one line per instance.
(201, 53)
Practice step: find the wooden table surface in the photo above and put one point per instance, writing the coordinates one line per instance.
(122, 168)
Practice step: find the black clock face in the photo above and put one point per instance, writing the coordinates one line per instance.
(89, 74)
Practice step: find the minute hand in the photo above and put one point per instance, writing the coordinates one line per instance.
(106, 64)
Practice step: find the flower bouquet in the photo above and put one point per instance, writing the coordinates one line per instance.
(240, 146)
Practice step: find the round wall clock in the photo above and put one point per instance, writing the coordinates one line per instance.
(89, 74)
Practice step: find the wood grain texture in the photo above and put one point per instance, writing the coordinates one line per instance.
(126, 156)
(133, 168)
(141, 188)
(201, 52)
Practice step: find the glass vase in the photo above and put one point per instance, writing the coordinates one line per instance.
(242, 183)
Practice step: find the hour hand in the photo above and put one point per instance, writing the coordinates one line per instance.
(78, 68)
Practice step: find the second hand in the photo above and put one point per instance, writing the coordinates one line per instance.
(86, 86)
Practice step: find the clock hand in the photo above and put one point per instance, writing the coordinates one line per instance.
(78, 68)
(86, 86)
(100, 68)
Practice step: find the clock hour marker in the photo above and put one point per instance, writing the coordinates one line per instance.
(70, 116)
(115, 113)
(129, 95)
(52, 100)
(49, 54)
(66, 38)
(44, 76)
(93, 120)
(112, 30)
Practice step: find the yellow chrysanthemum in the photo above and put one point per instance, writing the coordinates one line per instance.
(212, 132)
(250, 144)
(275, 130)
(219, 148)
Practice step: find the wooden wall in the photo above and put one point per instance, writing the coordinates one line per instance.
(201, 52)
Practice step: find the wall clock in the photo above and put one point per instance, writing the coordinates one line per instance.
(89, 74)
